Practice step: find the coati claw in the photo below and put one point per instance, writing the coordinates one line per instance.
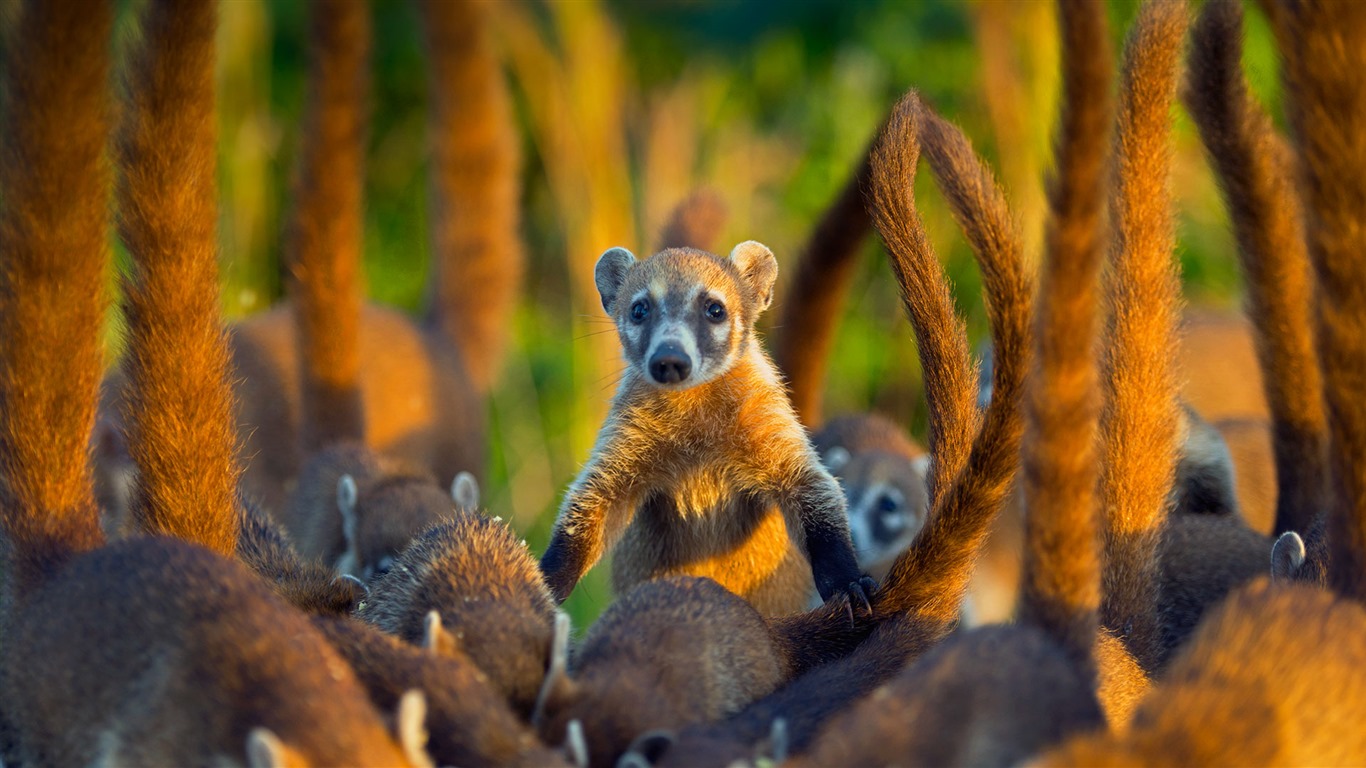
(859, 591)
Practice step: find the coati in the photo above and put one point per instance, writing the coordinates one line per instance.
(182, 656)
(702, 467)
(696, 222)
(882, 474)
(312, 587)
(489, 592)
(918, 605)
(468, 718)
(1274, 676)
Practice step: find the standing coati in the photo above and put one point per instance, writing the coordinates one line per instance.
(183, 657)
(702, 467)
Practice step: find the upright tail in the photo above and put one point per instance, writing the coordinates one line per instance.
(1140, 444)
(815, 300)
(476, 242)
(1060, 589)
(54, 223)
(179, 408)
(1325, 56)
(696, 222)
(324, 240)
(930, 578)
(1254, 168)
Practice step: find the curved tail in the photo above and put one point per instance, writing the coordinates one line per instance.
(54, 224)
(1140, 418)
(696, 222)
(1254, 169)
(179, 407)
(815, 299)
(324, 238)
(1060, 589)
(972, 470)
(476, 242)
(1325, 55)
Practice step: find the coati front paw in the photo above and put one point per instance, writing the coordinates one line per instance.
(560, 574)
(859, 593)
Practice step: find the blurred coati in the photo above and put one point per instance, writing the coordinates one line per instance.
(183, 657)
(489, 592)
(918, 605)
(422, 384)
(882, 474)
(702, 467)
(996, 695)
(696, 222)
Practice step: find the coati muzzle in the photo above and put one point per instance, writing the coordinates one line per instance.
(670, 364)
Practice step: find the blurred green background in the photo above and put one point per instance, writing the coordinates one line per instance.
(624, 107)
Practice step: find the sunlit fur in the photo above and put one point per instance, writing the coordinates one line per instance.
(1255, 172)
(712, 475)
(178, 409)
(323, 241)
(54, 236)
(1324, 51)
(1139, 421)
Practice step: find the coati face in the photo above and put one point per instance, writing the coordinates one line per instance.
(382, 517)
(685, 316)
(887, 499)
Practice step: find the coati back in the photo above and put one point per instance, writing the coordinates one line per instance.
(882, 474)
(701, 467)
(489, 592)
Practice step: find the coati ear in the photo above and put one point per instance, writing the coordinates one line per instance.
(835, 459)
(557, 682)
(575, 745)
(1287, 555)
(436, 641)
(346, 504)
(610, 273)
(759, 269)
(265, 750)
(412, 728)
(465, 492)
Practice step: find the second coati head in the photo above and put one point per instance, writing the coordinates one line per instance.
(882, 472)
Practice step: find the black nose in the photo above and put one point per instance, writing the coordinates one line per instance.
(669, 364)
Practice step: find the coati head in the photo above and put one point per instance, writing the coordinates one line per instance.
(381, 516)
(882, 473)
(684, 316)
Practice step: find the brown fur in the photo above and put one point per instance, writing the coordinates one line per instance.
(1324, 55)
(1140, 442)
(669, 653)
(54, 237)
(324, 238)
(178, 409)
(696, 222)
(715, 479)
(314, 588)
(476, 240)
(816, 295)
(931, 577)
(1217, 365)
(469, 721)
(1274, 677)
(180, 655)
(489, 592)
(1061, 464)
(1254, 170)
(312, 515)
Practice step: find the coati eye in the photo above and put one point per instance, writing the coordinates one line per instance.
(887, 504)
(715, 312)
(639, 311)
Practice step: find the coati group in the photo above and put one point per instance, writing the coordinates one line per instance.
(244, 547)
